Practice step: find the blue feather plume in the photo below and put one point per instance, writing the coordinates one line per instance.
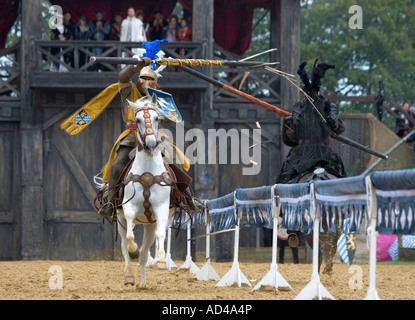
(152, 49)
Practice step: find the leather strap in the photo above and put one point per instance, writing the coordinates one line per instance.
(147, 180)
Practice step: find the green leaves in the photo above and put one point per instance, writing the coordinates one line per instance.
(382, 50)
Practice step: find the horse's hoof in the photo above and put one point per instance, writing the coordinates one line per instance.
(143, 286)
(129, 280)
(328, 271)
(135, 254)
(161, 264)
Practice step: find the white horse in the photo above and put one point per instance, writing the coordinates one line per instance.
(146, 194)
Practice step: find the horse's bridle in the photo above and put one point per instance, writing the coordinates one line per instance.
(147, 123)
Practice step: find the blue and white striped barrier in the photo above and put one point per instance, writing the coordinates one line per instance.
(385, 200)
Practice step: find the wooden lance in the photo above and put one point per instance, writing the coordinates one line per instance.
(276, 110)
(184, 63)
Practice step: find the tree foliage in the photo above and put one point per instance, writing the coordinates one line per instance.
(261, 33)
(15, 32)
(382, 50)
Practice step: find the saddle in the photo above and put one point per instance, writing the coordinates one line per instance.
(174, 176)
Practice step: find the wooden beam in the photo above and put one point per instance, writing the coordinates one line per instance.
(31, 137)
(68, 216)
(337, 98)
(101, 80)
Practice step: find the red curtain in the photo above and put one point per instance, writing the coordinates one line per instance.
(187, 5)
(8, 15)
(232, 18)
(233, 22)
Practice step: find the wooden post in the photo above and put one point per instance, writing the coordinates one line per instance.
(290, 49)
(289, 55)
(204, 174)
(274, 41)
(203, 32)
(31, 137)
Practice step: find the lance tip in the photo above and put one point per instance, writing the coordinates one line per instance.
(93, 59)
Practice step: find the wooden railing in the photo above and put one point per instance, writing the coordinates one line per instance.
(254, 81)
(73, 56)
(10, 73)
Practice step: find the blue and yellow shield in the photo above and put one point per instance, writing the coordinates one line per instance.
(166, 105)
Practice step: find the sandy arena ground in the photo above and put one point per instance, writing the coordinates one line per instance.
(96, 280)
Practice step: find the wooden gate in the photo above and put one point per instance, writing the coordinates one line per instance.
(9, 190)
(73, 229)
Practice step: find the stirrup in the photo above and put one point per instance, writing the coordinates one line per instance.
(195, 205)
(107, 210)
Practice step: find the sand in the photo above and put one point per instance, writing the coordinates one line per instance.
(104, 280)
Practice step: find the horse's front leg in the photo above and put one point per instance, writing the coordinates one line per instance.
(129, 215)
(148, 239)
(162, 222)
(332, 239)
(128, 271)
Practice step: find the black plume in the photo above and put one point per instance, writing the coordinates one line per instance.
(313, 87)
(304, 76)
(318, 73)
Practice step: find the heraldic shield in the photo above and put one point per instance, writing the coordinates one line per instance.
(166, 105)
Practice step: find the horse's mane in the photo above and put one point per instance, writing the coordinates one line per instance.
(140, 102)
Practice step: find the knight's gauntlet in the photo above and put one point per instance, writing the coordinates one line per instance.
(127, 73)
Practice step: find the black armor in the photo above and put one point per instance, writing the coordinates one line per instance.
(308, 130)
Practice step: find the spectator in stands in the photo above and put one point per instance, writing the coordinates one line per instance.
(157, 26)
(403, 125)
(62, 33)
(82, 32)
(132, 28)
(184, 34)
(69, 27)
(100, 30)
(115, 32)
(140, 15)
(410, 138)
(172, 30)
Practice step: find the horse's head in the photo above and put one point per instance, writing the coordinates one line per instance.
(146, 117)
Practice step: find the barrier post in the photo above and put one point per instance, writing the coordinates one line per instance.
(273, 278)
(235, 275)
(189, 264)
(372, 293)
(207, 272)
(314, 289)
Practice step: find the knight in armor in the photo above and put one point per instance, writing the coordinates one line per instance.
(308, 130)
(123, 149)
